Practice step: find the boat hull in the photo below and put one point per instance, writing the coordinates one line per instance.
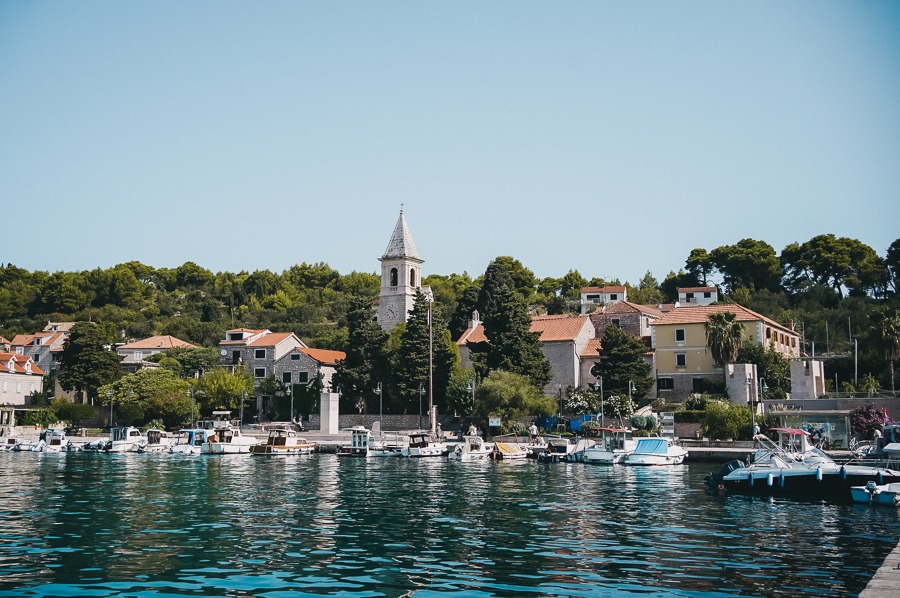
(815, 484)
(643, 460)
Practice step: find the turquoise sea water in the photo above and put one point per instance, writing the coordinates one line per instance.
(160, 525)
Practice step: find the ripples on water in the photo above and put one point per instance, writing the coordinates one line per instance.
(160, 525)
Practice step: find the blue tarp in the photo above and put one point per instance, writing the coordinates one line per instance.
(651, 446)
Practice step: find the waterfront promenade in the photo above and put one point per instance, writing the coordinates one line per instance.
(886, 581)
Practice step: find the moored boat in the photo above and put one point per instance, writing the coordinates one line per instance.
(615, 444)
(190, 441)
(364, 444)
(472, 448)
(284, 442)
(655, 450)
(557, 449)
(510, 451)
(157, 441)
(873, 494)
(124, 439)
(423, 444)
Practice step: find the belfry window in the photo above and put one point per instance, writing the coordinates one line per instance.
(393, 277)
(412, 277)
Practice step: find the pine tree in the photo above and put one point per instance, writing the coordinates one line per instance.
(366, 363)
(85, 363)
(622, 362)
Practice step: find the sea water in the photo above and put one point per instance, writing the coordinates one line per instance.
(145, 525)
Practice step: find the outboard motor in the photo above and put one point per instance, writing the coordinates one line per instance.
(714, 479)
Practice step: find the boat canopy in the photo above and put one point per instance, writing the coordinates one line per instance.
(790, 431)
(651, 446)
(614, 430)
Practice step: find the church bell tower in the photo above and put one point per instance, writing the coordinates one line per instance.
(401, 276)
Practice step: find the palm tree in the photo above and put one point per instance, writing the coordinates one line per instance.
(723, 337)
(885, 333)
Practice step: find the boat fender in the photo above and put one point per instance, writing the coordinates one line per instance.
(819, 473)
(750, 478)
(781, 480)
(843, 472)
(771, 479)
(880, 478)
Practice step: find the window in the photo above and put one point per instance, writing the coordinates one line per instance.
(412, 277)
(665, 384)
(138, 355)
(259, 354)
(615, 322)
(393, 277)
(700, 385)
(259, 373)
(679, 335)
(286, 377)
(688, 296)
(681, 359)
(613, 297)
(295, 357)
(768, 333)
(707, 295)
(302, 377)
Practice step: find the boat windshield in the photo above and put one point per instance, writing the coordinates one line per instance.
(651, 446)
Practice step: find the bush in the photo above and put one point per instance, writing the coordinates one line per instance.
(690, 417)
(727, 420)
(864, 420)
(38, 417)
(70, 412)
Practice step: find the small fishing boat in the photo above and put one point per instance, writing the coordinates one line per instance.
(54, 441)
(10, 444)
(472, 448)
(284, 442)
(229, 441)
(509, 451)
(873, 494)
(655, 450)
(423, 444)
(557, 449)
(190, 441)
(363, 444)
(158, 441)
(124, 439)
(577, 454)
(615, 444)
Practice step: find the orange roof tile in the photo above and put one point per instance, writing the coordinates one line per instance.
(323, 355)
(615, 289)
(592, 348)
(271, 339)
(22, 340)
(700, 313)
(558, 328)
(3, 340)
(19, 362)
(628, 307)
(158, 342)
(473, 335)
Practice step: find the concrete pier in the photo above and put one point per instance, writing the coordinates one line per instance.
(886, 582)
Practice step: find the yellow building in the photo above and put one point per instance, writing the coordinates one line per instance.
(684, 364)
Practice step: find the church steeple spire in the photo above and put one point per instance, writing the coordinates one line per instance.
(401, 243)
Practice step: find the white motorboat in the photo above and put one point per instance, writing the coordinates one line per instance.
(158, 441)
(472, 448)
(557, 449)
(615, 444)
(190, 441)
(873, 494)
(284, 442)
(654, 450)
(792, 467)
(54, 441)
(510, 451)
(423, 444)
(229, 441)
(363, 444)
(124, 439)
(577, 454)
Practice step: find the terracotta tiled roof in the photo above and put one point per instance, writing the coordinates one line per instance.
(323, 355)
(700, 313)
(473, 335)
(22, 340)
(592, 349)
(19, 362)
(157, 342)
(628, 307)
(603, 290)
(3, 340)
(271, 339)
(697, 290)
(666, 307)
(558, 328)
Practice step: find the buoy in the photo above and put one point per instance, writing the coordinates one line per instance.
(751, 480)
(843, 472)
(771, 480)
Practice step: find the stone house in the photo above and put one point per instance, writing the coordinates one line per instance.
(632, 318)
(43, 347)
(20, 378)
(134, 354)
(592, 297)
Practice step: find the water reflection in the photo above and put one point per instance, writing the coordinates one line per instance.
(235, 525)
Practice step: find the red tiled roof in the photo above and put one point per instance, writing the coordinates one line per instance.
(158, 342)
(558, 328)
(627, 306)
(3, 340)
(244, 330)
(592, 349)
(22, 340)
(270, 340)
(473, 335)
(700, 313)
(616, 289)
(19, 362)
(697, 290)
(323, 355)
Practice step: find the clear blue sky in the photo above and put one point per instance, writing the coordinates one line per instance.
(607, 137)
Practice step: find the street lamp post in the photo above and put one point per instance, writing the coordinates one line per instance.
(421, 392)
(470, 387)
(380, 409)
(763, 388)
(243, 399)
(109, 396)
(631, 388)
(598, 386)
(291, 394)
(749, 383)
